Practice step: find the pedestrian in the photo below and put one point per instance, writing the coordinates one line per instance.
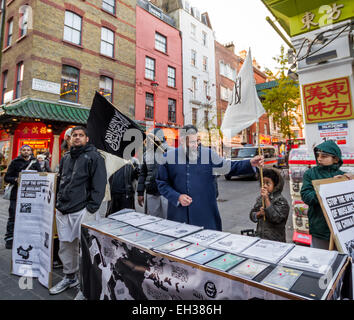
(81, 187)
(25, 161)
(43, 162)
(65, 146)
(329, 160)
(155, 204)
(187, 180)
(122, 184)
(271, 219)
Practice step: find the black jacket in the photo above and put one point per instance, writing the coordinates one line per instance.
(82, 180)
(16, 166)
(273, 228)
(122, 180)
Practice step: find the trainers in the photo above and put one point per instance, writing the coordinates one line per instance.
(8, 244)
(80, 296)
(64, 284)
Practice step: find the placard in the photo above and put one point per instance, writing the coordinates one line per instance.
(33, 234)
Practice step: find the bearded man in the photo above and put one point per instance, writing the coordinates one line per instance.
(187, 180)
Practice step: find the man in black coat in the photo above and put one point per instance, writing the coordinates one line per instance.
(81, 187)
(24, 161)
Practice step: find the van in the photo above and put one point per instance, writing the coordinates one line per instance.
(247, 153)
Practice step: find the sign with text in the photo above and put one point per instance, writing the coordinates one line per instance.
(328, 100)
(33, 234)
(45, 86)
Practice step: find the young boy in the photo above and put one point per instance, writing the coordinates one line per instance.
(329, 160)
(271, 220)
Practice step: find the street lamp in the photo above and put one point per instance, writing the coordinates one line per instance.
(154, 86)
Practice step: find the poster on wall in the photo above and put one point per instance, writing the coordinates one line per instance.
(33, 233)
(336, 131)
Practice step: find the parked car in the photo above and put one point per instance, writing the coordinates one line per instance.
(246, 153)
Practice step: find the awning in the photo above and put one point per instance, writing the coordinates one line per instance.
(38, 109)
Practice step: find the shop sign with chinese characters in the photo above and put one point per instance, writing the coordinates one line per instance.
(328, 100)
(324, 15)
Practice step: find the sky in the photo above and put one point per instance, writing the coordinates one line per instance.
(244, 23)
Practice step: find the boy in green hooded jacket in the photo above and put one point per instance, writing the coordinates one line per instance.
(329, 160)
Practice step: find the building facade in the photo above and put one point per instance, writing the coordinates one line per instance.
(199, 82)
(159, 83)
(55, 55)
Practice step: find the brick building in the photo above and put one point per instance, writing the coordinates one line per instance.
(55, 54)
(159, 92)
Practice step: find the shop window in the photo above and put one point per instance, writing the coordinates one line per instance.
(149, 68)
(149, 106)
(72, 27)
(171, 110)
(10, 27)
(19, 79)
(109, 5)
(4, 85)
(106, 87)
(160, 42)
(107, 42)
(171, 77)
(69, 90)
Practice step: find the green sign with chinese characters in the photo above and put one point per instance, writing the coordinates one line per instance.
(323, 16)
(302, 16)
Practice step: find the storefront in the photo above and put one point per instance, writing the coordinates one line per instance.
(39, 124)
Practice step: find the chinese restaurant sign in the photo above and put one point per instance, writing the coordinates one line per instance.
(328, 100)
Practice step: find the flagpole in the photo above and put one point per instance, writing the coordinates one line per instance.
(260, 168)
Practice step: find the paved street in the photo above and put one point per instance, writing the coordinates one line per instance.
(235, 201)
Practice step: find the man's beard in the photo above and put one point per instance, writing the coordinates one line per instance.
(192, 154)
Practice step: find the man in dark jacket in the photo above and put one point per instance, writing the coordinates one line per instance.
(81, 187)
(155, 204)
(24, 161)
(187, 180)
(122, 187)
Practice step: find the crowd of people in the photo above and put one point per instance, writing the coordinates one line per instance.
(183, 190)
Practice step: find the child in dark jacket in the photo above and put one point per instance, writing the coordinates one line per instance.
(329, 160)
(271, 220)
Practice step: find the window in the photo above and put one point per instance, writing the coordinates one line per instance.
(107, 42)
(193, 30)
(225, 93)
(187, 6)
(204, 38)
(171, 110)
(265, 129)
(171, 77)
(160, 42)
(149, 68)
(72, 27)
(109, 5)
(149, 106)
(205, 63)
(194, 87)
(69, 90)
(24, 21)
(193, 58)
(206, 88)
(19, 80)
(206, 119)
(4, 85)
(10, 26)
(106, 87)
(194, 116)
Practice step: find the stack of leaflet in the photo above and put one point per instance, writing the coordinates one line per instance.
(205, 237)
(181, 230)
(234, 243)
(171, 246)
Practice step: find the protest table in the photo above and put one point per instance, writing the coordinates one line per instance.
(127, 257)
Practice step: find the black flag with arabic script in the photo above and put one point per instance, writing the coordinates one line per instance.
(106, 126)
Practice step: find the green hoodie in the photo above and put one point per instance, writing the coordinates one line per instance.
(317, 222)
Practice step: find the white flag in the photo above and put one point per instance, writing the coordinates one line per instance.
(241, 115)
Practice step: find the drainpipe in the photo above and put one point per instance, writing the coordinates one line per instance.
(2, 27)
